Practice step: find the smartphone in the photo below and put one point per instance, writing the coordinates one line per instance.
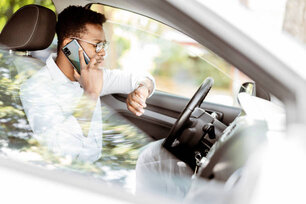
(71, 51)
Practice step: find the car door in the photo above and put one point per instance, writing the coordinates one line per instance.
(179, 65)
(162, 111)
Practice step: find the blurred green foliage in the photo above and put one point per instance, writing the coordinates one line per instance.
(121, 142)
(175, 60)
(122, 45)
(11, 113)
(8, 7)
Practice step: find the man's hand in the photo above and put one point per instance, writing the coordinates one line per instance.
(136, 101)
(91, 78)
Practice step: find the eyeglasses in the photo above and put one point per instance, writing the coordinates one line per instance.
(99, 46)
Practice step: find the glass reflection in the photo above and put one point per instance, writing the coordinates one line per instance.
(121, 141)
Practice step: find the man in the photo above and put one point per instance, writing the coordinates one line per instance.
(62, 106)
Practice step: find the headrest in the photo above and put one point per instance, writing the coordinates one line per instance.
(32, 27)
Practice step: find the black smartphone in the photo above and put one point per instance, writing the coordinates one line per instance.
(71, 51)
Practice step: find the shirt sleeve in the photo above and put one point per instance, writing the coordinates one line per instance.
(52, 127)
(121, 81)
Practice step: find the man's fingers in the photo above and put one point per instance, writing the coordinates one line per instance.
(82, 60)
(136, 102)
(138, 107)
(139, 100)
(133, 109)
(76, 75)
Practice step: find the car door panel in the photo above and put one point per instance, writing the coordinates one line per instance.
(162, 111)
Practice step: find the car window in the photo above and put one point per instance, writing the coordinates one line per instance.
(178, 63)
(121, 141)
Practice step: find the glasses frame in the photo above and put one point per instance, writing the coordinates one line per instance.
(99, 46)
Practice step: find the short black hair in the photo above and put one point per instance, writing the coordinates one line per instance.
(72, 20)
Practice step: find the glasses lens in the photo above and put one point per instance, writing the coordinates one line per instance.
(102, 45)
(105, 44)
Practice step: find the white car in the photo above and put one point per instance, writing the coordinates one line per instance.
(245, 142)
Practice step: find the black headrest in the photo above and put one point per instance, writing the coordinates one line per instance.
(32, 27)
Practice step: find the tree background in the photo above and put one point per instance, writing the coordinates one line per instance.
(294, 22)
(295, 19)
(7, 8)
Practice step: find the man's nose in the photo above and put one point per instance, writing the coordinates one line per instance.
(103, 52)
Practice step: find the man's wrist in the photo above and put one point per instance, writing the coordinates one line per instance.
(141, 85)
(148, 84)
(91, 95)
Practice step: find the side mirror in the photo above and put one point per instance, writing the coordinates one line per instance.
(253, 89)
(249, 88)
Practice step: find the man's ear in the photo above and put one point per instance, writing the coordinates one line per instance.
(66, 41)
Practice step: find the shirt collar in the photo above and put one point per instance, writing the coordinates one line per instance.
(55, 72)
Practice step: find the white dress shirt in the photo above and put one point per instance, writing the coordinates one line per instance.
(49, 99)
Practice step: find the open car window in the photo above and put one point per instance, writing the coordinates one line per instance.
(178, 63)
(121, 141)
(139, 44)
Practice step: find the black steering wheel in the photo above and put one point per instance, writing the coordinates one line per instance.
(195, 101)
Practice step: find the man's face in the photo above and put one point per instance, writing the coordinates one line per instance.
(94, 33)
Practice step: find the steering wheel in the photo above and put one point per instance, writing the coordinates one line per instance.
(195, 101)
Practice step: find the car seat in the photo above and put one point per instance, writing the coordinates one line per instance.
(30, 28)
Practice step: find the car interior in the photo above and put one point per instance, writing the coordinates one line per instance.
(30, 28)
(190, 126)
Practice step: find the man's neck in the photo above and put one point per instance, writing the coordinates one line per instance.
(65, 66)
